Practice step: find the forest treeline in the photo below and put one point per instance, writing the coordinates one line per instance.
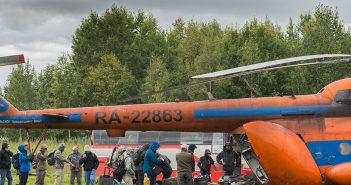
(120, 54)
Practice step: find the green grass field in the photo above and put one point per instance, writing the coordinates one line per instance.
(52, 145)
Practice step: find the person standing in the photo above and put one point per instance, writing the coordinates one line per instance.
(205, 163)
(60, 164)
(41, 156)
(90, 164)
(150, 161)
(76, 170)
(24, 162)
(5, 164)
(118, 156)
(185, 168)
(165, 165)
(230, 160)
(191, 148)
(139, 163)
(129, 167)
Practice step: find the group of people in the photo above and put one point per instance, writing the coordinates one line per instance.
(129, 164)
(23, 160)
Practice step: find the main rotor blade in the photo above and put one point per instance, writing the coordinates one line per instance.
(9, 60)
(231, 76)
(267, 64)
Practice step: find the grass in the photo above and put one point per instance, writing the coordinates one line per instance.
(52, 145)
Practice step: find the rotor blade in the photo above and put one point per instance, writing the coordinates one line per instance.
(9, 60)
(267, 64)
(231, 76)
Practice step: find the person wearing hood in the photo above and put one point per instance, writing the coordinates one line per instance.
(41, 156)
(76, 170)
(150, 161)
(185, 168)
(5, 164)
(129, 167)
(139, 163)
(60, 164)
(24, 162)
(117, 156)
(230, 160)
(205, 163)
(90, 164)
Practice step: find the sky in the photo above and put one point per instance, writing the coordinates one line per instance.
(43, 29)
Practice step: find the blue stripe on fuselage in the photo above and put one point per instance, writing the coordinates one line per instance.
(3, 106)
(259, 111)
(38, 118)
(327, 153)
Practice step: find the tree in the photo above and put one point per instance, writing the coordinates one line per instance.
(21, 90)
(44, 87)
(108, 82)
(157, 78)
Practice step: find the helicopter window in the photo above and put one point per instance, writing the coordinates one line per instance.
(344, 149)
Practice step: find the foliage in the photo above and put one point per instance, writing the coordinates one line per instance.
(119, 54)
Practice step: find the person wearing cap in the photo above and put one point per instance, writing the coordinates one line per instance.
(129, 167)
(90, 163)
(60, 164)
(230, 160)
(150, 161)
(185, 167)
(24, 162)
(5, 164)
(205, 163)
(76, 170)
(41, 156)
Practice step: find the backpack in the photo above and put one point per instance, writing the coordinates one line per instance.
(35, 162)
(137, 157)
(51, 158)
(120, 169)
(15, 161)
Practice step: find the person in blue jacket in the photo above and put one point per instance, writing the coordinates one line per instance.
(24, 162)
(150, 161)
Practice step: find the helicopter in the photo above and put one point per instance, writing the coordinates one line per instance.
(300, 139)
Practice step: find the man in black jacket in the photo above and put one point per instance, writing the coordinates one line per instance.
(5, 164)
(205, 163)
(90, 164)
(230, 160)
(165, 165)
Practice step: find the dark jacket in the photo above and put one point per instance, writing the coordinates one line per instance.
(89, 162)
(5, 158)
(23, 159)
(230, 158)
(166, 166)
(150, 159)
(185, 162)
(139, 157)
(204, 164)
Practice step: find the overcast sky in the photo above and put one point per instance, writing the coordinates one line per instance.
(43, 29)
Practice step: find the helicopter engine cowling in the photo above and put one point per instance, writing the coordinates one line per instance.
(340, 174)
(282, 154)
